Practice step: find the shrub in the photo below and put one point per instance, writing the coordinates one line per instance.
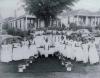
(17, 32)
(74, 27)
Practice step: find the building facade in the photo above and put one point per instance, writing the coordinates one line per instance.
(23, 22)
(29, 22)
(81, 18)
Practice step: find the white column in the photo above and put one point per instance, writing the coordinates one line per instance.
(81, 21)
(87, 21)
(77, 20)
(26, 23)
(98, 21)
(93, 20)
(1, 28)
(13, 24)
(22, 22)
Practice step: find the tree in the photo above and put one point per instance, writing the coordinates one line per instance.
(47, 9)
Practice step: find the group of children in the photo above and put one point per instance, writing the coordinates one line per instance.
(48, 44)
(85, 52)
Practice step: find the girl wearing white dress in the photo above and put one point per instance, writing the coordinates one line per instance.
(6, 55)
(79, 52)
(69, 50)
(93, 54)
(64, 48)
(85, 52)
(73, 50)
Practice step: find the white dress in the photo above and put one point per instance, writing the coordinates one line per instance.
(64, 50)
(69, 50)
(6, 53)
(85, 53)
(97, 42)
(93, 54)
(60, 47)
(72, 49)
(57, 46)
(79, 52)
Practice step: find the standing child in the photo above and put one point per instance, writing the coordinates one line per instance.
(85, 52)
(93, 54)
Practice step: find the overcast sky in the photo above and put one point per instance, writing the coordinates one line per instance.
(7, 7)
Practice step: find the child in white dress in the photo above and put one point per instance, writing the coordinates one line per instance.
(70, 50)
(79, 52)
(93, 54)
(85, 52)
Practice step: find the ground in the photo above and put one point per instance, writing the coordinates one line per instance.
(45, 69)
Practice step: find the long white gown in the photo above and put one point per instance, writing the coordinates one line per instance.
(57, 46)
(60, 47)
(69, 50)
(72, 50)
(6, 53)
(79, 52)
(63, 50)
(93, 54)
(85, 53)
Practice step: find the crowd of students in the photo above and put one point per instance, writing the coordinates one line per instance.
(74, 49)
(49, 44)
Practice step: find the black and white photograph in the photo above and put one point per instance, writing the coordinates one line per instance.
(49, 38)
